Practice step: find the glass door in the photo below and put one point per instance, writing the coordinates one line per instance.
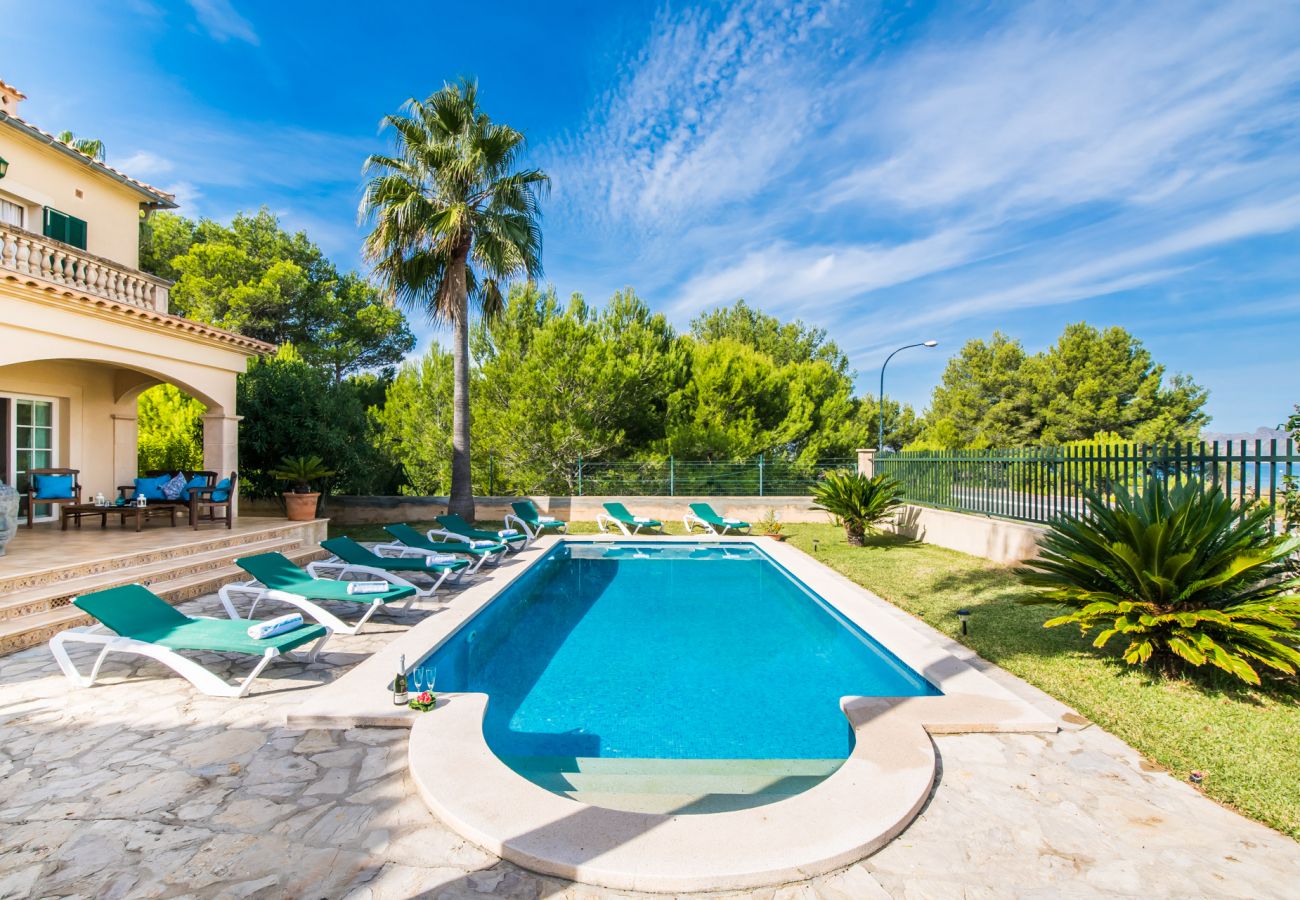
(32, 443)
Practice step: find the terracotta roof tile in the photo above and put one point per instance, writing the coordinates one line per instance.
(169, 199)
(6, 86)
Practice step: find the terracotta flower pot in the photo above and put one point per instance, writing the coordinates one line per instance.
(301, 507)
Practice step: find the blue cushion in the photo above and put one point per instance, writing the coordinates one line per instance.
(151, 488)
(173, 487)
(53, 487)
(196, 482)
(222, 492)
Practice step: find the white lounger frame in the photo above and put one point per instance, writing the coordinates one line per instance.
(195, 674)
(692, 519)
(520, 525)
(340, 570)
(451, 537)
(258, 592)
(534, 533)
(401, 551)
(603, 519)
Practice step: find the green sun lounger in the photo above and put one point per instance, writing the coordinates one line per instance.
(532, 520)
(275, 578)
(144, 624)
(621, 517)
(351, 559)
(702, 514)
(409, 541)
(454, 528)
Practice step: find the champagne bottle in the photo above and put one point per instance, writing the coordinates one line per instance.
(400, 697)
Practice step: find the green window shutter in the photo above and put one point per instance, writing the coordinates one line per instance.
(66, 228)
(56, 225)
(77, 232)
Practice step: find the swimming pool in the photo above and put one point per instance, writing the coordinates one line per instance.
(677, 650)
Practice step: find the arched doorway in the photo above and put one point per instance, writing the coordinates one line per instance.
(169, 429)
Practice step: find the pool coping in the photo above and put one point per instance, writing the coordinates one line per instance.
(864, 804)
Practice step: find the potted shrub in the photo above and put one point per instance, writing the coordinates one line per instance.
(301, 471)
(858, 502)
(771, 526)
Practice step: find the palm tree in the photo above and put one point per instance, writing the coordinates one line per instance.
(92, 147)
(453, 220)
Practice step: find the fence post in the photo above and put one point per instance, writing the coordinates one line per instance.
(672, 477)
(579, 476)
(760, 474)
(867, 462)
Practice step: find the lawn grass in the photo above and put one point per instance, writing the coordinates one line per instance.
(1247, 742)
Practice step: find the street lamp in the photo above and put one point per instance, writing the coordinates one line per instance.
(880, 447)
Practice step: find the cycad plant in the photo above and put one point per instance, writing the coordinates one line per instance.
(1181, 574)
(454, 218)
(859, 502)
(302, 471)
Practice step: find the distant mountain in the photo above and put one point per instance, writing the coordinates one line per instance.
(1259, 434)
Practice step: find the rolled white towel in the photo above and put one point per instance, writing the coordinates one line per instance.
(547, 519)
(368, 587)
(728, 520)
(641, 520)
(507, 532)
(271, 627)
(441, 559)
(482, 545)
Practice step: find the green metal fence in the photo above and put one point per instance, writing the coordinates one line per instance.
(763, 476)
(1036, 484)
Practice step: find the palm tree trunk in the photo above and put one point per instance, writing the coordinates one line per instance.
(461, 500)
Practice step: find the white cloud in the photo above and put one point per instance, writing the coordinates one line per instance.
(704, 116)
(1049, 278)
(1134, 105)
(187, 195)
(222, 22)
(145, 166)
(885, 184)
(787, 276)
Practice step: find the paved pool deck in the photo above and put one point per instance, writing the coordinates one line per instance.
(140, 787)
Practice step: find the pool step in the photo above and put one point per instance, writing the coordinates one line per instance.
(674, 785)
(673, 804)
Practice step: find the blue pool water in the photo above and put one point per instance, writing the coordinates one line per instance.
(673, 650)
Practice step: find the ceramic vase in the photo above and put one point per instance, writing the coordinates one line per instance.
(8, 514)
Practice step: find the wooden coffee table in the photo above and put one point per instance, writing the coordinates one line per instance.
(78, 511)
(142, 514)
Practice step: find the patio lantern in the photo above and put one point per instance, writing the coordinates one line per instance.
(4, 167)
(963, 616)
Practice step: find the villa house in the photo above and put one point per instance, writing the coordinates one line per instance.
(82, 330)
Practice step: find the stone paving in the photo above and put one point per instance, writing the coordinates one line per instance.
(140, 787)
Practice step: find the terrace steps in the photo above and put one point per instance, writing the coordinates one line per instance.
(674, 785)
(33, 614)
(170, 544)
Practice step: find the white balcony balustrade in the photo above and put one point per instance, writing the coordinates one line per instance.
(46, 260)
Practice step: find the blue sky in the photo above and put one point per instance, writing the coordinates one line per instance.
(890, 172)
